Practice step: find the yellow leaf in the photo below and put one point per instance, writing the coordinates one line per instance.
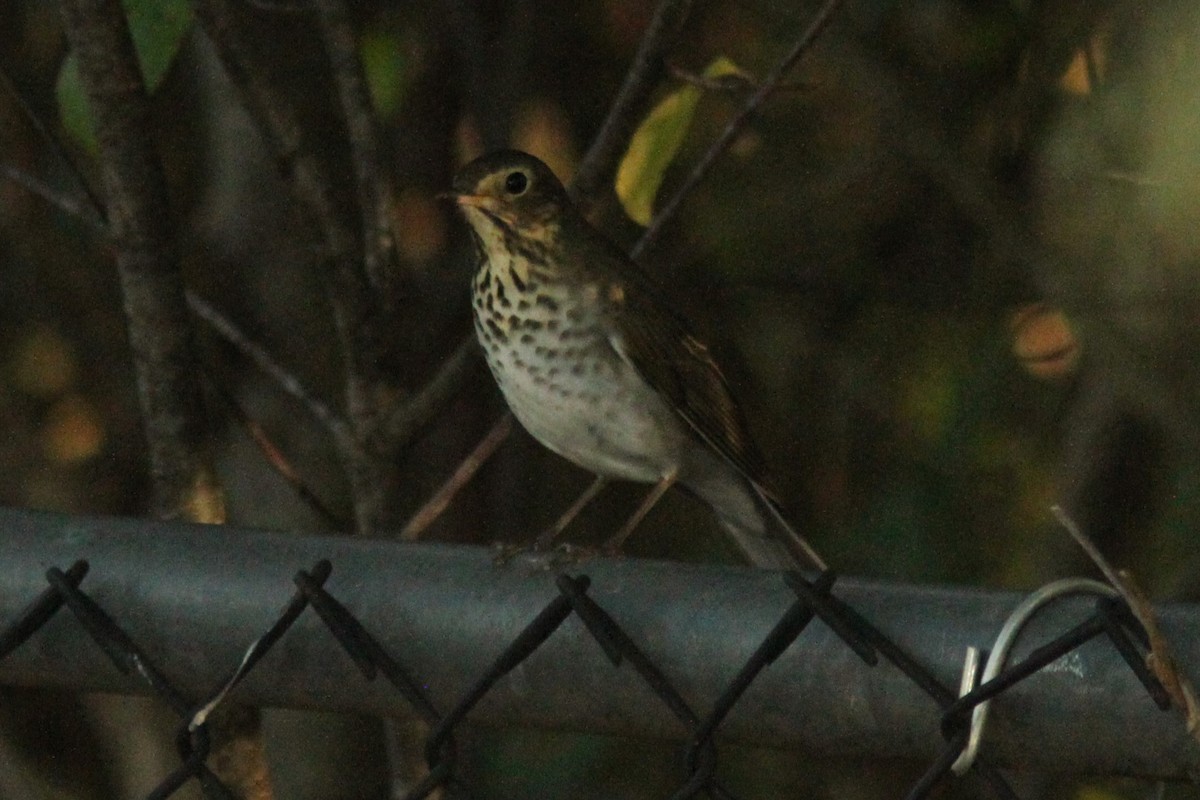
(656, 142)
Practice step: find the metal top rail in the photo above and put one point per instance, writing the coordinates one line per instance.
(194, 598)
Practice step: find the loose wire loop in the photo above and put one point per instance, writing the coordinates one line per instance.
(1111, 617)
(1000, 650)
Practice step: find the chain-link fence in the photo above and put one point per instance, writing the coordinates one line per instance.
(702, 655)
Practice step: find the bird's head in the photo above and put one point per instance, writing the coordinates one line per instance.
(508, 194)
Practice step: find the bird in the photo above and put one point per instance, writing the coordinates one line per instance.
(596, 365)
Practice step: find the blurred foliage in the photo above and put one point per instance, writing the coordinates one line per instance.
(157, 28)
(384, 57)
(950, 270)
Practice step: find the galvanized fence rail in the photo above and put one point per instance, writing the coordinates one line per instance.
(702, 655)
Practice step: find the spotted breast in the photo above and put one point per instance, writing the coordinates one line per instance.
(562, 377)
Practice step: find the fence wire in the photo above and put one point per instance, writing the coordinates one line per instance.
(69, 590)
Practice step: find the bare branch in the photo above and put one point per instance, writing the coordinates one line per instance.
(305, 168)
(276, 120)
(65, 203)
(355, 306)
(1087, 545)
(227, 330)
(282, 7)
(736, 125)
(731, 83)
(168, 374)
(412, 416)
(434, 507)
(491, 81)
(309, 175)
(160, 336)
(1161, 659)
(735, 83)
(599, 164)
(276, 458)
(375, 193)
(61, 152)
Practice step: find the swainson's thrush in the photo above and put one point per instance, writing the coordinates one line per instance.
(595, 365)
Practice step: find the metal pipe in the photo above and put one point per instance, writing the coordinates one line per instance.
(193, 598)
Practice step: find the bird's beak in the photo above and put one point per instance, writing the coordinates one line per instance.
(473, 200)
(490, 206)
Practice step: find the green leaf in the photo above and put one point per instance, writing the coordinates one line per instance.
(388, 75)
(73, 107)
(656, 142)
(158, 28)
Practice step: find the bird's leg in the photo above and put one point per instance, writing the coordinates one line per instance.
(613, 545)
(548, 536)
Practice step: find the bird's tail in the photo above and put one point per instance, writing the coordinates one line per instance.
(794, 543)
(759, 549)
(753, 520)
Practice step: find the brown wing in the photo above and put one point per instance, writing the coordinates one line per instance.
(679, 366)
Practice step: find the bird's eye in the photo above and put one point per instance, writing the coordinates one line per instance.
(516, 183)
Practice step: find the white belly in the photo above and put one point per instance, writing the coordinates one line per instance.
(601, 416)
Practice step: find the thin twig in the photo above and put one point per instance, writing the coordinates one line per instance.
(1161, 659)
(434, 507)
(1087, 545)
(304, 167)
(415, 413)
(65, 203)
(492, 82)
(55, 143)
(276, 119)
(276, 458)
(1090, 62)
(736, 125)
(599, 164)
(91, 209)
(1135, 179)
(284, 7)
(227, 330)
(361, 329)
(732, 83)
(375, 194)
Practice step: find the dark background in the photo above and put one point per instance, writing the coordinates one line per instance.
(950, 269)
